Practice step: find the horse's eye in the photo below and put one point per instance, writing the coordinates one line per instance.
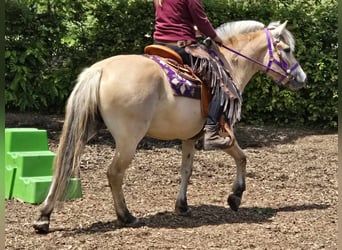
(287, 50)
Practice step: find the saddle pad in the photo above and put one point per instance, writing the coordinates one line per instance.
(180, 85)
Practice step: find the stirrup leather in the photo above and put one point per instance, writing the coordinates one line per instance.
(225, 127)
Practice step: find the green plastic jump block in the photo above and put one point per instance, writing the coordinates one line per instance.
(30, 164)
(9, 181)
(34, 189)
(29, 174)
(25, 139)
(26, 164)
(19, 140)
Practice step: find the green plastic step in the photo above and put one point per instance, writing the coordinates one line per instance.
(9, 181)
(26, 164)
(29, 166)
(25, 139)
(34, 189)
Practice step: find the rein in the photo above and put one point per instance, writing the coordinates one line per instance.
(282, 64)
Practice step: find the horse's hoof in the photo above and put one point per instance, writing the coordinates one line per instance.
(129, 221)
(133, 221)
(184, 212)
(41, 226)
(182, 208)
(234, 202)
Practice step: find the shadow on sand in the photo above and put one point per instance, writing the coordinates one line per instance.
(202, 215)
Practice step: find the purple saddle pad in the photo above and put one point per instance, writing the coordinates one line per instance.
(180, 85)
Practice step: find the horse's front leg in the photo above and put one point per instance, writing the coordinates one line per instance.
(188, 152)
(239, 186)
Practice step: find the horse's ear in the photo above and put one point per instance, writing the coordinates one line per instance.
(279, 30)
(284, 24)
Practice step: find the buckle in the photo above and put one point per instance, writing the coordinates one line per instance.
(182, 43)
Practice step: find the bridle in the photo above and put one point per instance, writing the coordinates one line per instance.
(272, 47)
(282, 64)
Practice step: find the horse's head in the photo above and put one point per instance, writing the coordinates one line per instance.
(250, 47)
(281, 64)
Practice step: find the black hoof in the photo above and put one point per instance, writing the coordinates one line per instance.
(41, 226)
(132, 223)
(234, 202)
(128, 220)
(182, 208)
(184, 212)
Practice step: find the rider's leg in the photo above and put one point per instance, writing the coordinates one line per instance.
(212, 139)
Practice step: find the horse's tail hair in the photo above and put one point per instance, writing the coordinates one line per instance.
(81, 120)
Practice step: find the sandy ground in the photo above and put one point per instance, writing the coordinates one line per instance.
(290, 201)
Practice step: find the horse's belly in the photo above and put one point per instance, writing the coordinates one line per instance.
(180, 119)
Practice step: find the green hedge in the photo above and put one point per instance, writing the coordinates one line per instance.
(49, 42)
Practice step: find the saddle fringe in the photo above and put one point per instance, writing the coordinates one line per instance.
(218, 81)
(183, 70)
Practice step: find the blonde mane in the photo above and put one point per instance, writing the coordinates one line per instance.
(228, 30)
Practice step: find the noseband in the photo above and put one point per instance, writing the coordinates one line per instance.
(287, 71)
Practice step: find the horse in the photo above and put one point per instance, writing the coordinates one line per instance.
(132, 96)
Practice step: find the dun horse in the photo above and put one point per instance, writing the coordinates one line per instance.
(131, 94)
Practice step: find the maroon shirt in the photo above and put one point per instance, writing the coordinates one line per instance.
(175, 20)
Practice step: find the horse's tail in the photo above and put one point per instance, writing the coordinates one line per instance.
(81, 120)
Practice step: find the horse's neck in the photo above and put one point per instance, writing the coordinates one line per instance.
(242, 69)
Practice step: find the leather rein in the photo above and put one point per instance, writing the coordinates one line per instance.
(287, 71)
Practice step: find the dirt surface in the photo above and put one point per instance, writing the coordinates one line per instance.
(290, 201)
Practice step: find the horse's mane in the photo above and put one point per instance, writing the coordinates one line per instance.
(228, 30)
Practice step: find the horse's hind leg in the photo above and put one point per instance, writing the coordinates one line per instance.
(188, 151)
(239, 186)
(124, 154)
(42, 224)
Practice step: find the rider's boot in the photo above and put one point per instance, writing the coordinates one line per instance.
(212, 138)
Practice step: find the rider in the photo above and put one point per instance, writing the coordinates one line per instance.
(175, 22)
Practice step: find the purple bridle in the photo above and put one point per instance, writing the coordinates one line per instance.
(282, 64)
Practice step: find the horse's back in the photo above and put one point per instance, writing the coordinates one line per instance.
(136, 69)
(130, 79)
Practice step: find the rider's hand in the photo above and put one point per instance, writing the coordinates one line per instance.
(218, 40)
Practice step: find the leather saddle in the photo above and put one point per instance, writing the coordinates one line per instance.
(175, 61)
